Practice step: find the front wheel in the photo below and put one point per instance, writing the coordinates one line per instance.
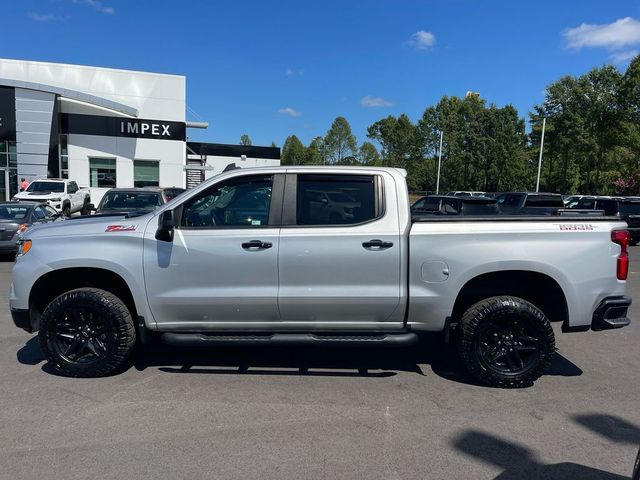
(87, 332)
(66, 211)
(506, 342)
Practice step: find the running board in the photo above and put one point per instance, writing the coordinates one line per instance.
(404, 339)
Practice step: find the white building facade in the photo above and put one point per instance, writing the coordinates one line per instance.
(104, 128)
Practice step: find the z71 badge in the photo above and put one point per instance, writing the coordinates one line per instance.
(120, 228)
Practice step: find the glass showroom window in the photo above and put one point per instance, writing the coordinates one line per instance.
(102, 172)
(64, 157)
(146, 173)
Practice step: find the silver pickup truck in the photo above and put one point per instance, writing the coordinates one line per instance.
(251, 256)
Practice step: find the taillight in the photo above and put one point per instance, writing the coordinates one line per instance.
(621, 237)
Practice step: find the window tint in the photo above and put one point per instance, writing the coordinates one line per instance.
(419, 204)
(512, 200)
(335, 199)
(10, 212)
(450, 206)
(72, 187)
(120, 201)
(46, 187)
(480, 208)
(240, 202)
(587, 204)
(610, 207)
(50, 212)
(629, 208)
(39, 213)
(544, 201)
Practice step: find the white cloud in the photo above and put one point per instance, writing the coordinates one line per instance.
(370, 101)
(623, 56)
(622, 32)
(42, 17)
(97, 4)
(289, 111)
(422, 40)
(291, 71)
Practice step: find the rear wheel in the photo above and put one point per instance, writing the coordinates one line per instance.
(506, 342)
(87, 332)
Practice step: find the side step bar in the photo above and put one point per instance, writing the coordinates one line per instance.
(404, 339)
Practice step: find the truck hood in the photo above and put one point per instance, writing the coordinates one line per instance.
(38, 195)
(91, 225)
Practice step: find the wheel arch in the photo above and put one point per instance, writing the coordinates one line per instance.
(53, 283)
(540, 289)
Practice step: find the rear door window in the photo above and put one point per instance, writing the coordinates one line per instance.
(323, 199)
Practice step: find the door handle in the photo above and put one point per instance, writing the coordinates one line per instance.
(377, 244)
(256, 245)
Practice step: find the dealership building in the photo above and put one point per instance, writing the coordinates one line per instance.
(105, 128)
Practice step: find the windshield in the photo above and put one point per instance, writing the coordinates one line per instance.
(10, 212)
(46, 187)
(629, 208)
(130, 201)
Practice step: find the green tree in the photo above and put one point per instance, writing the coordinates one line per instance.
(340, 143)
(368, 155)
(316, 152)
(273, 144)
(293, 151)
(590, 131)
(245, 140)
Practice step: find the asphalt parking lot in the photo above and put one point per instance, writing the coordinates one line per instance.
(321, 413)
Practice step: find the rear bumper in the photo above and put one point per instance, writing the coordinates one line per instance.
(22, 319)
(611, 313)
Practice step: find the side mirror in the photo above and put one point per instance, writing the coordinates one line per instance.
(166, 225)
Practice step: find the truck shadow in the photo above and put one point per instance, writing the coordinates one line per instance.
(365, 361)
(362, 361)
(519, 462)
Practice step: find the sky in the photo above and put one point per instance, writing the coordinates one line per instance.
(276, 68)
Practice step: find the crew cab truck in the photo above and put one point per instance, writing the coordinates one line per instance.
(244, 258)
(59, 193)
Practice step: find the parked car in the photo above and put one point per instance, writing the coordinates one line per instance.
(129, 200)
(61, 194)
(169, 193)
(16, 218)
(446, 205)
(626, 208)
(491, 285)
(530, 203)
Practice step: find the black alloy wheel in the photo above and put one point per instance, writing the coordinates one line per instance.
(505, 342)
(82, 336)
(87, 332)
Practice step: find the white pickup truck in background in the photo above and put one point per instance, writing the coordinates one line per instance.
(62, 194)
(252, 257)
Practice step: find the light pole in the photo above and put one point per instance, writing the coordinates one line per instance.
(544, 122)
(439, 161)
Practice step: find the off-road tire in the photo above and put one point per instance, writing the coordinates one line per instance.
(66, 210)
(101, 308)
(505, 313)
(85, 209)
